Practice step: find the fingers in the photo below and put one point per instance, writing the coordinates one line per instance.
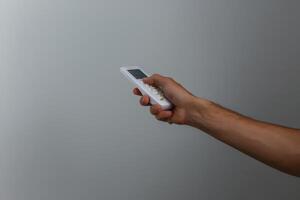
(155, 109)
(162, 115)
(156, 80)
(145, 101)
(137, 92)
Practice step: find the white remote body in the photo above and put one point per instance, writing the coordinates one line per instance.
(136, 74)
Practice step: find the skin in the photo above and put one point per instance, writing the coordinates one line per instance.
(274, 145)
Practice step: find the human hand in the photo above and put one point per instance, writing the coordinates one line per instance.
(181, 99)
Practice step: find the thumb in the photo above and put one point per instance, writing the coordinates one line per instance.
(156, 80)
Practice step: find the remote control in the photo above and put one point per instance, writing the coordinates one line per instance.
(136, 74)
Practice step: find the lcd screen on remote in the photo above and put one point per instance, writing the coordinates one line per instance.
(138, 74)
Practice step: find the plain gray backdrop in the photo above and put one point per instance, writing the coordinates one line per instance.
(70, 129)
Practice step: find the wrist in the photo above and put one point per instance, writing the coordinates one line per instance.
(199, 112)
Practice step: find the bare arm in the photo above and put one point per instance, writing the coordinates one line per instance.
(276, 146)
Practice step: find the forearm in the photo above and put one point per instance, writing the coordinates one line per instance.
(274, 145)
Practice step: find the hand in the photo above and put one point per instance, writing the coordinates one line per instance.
(182, 99)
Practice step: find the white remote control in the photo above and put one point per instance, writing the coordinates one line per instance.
(135, 75)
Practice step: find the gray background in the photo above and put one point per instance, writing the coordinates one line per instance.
(70, 128)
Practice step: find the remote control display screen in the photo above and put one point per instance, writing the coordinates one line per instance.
(138, 74)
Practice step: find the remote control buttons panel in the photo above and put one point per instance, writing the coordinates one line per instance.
(157, 93)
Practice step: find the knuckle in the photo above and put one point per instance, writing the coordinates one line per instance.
(166, 80)
(144, 101)
(158, 117)
(170, 79)
(152, 110)
(156, 75)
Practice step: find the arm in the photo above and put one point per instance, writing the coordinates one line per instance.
(276, 146)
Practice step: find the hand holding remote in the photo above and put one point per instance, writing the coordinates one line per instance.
(183, 101)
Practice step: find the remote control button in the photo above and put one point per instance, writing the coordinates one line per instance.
(155, 91)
